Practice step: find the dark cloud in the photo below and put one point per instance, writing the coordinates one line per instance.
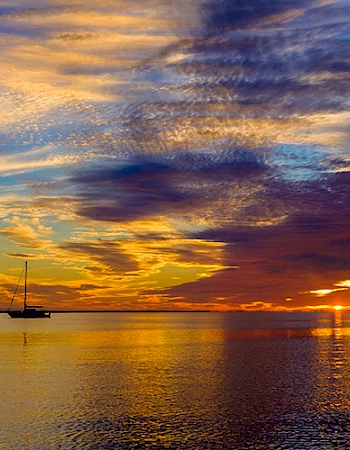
(340, 243)
(307, 252)
(106, 257)
(38, 292)
(271, 266)
(335, 11)
(89, 287)
(278, 70)
(321, 262)
(242, 14)
(61, 297)
(134, 191)
(5, 10)
(22, 256)
(297, 68)
(76, 37)
(146, 189)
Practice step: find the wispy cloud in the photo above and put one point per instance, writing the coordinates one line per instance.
(29, 233)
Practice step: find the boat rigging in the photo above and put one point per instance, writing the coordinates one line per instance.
(28, 311)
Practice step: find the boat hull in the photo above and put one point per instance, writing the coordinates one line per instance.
(29, 314)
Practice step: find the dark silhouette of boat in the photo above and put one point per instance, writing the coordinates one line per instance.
(28, 311)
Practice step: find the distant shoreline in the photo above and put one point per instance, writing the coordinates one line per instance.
(123, 311)
(180, 311)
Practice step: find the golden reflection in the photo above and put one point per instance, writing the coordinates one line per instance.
(144, 337)
(338, 319)
(338, 343)
(333, 383)
(157, 364)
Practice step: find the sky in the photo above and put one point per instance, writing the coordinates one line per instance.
(161, 155)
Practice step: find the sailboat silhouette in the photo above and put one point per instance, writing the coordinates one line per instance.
(28, 311)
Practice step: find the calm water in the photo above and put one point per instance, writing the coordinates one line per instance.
(176, 381)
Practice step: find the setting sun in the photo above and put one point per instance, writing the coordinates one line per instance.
(337, 307)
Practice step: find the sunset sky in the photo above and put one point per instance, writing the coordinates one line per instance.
(175, 154)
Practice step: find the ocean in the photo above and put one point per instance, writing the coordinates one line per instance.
(256, 380)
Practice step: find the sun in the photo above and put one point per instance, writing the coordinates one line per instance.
(337, 307)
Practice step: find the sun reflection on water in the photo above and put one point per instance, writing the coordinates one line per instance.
(333, 382)
(160, 381)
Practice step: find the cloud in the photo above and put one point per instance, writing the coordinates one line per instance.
(102, 257)
(22, 256)
(306, 252)
(258, 86)
(163, 186)
(28, 233)
(224, 123)
(240, 14)
(62, 296)
(37, 159)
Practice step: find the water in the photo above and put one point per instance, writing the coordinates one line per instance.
(176, 381)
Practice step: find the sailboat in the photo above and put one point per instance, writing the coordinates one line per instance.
(28, 311)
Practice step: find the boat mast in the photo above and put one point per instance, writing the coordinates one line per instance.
(25, 286)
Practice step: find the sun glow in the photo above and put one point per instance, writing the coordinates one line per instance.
(337, 307)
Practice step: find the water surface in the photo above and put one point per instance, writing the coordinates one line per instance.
(176, 381)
